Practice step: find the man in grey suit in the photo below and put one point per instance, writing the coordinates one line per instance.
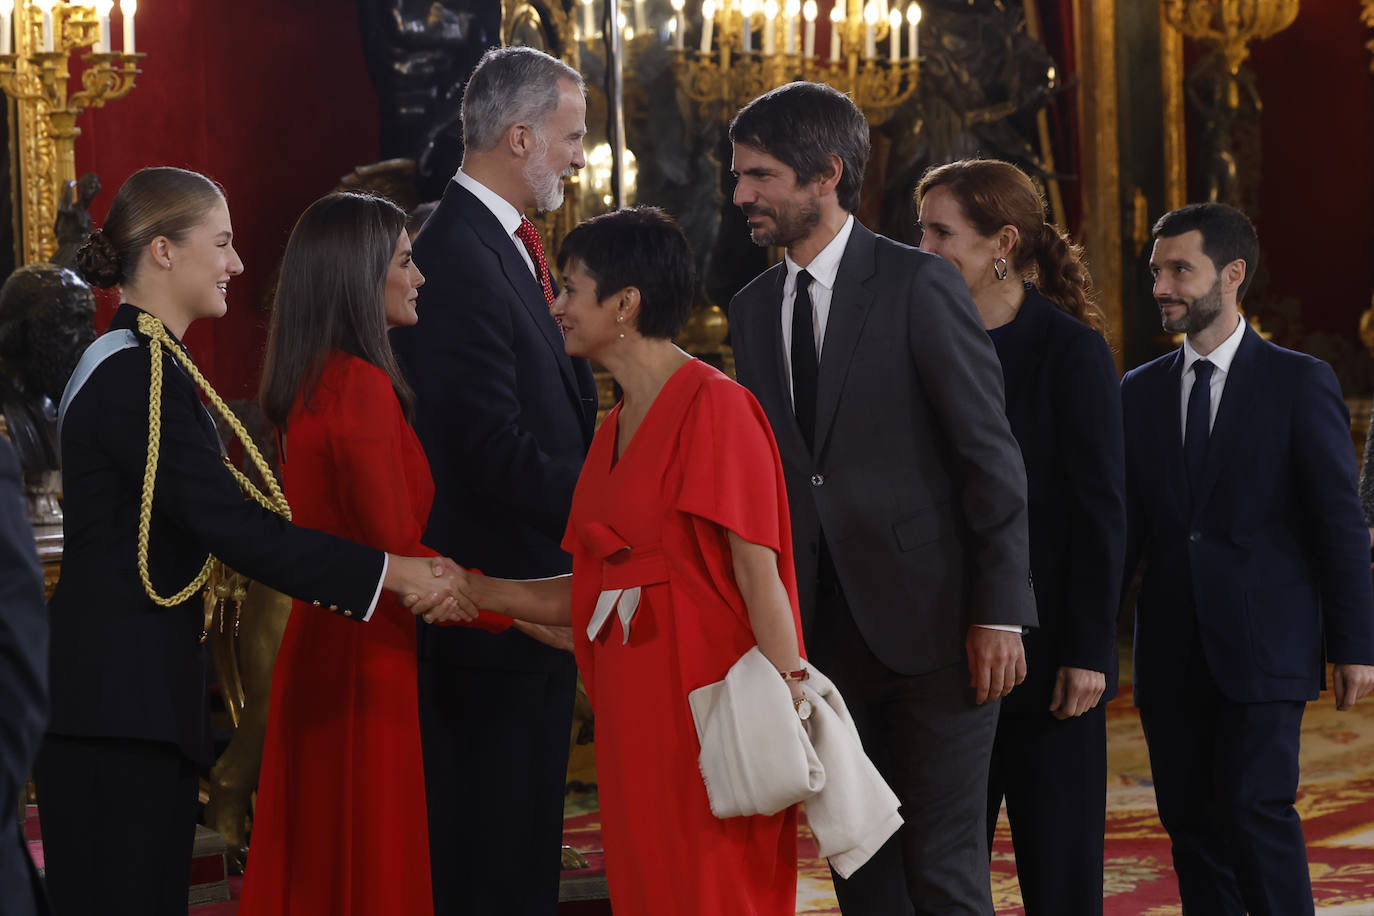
(907, 489)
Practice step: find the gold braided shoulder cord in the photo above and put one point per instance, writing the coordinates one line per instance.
(274, 500)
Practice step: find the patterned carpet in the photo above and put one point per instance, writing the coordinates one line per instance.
(1336, 801)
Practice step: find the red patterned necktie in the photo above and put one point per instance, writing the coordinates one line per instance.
(529, 236)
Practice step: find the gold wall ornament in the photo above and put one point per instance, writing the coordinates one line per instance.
(1367, 17)
(1175, 119)
(37, 76)
(1230, 25)
(872, 57)
(1095, 36)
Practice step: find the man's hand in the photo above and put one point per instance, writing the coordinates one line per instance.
(1076, 690)
(434, 588)
(1350, 683)
(558, 637)
(996, 662)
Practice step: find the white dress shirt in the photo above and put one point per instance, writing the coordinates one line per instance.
(505, 213)
(824, 268)
(1220, 358)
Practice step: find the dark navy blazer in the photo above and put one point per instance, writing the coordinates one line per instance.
(1064, 405)
(504, 414)
(1268, 565)
(122, 666)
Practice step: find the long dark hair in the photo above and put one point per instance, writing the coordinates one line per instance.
(992, 194)
(331, 296)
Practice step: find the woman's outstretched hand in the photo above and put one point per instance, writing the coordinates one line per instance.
(434, 588)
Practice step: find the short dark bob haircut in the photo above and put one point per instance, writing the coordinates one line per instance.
(801, 125)
(1227, 235)
(644, 248)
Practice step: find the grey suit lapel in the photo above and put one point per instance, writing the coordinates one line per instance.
(849, 307)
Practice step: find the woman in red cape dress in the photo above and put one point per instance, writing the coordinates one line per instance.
(682, 497)
(340, 827)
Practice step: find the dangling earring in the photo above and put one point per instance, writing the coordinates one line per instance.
(999, 268)
(621, 318)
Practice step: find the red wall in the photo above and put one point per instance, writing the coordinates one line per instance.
(1316, 220)
(272, 100)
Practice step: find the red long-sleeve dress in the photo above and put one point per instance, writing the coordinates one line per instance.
(703, 462)
(340, 827)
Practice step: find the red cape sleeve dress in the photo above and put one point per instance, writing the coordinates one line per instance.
(340, 827)
(703, 462)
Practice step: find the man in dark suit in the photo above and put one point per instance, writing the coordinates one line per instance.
(23, 683)
(1241, 500)
(505, 417)
(907, 490)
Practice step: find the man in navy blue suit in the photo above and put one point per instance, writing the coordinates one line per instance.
(505, 417)
(1242, 502)
(23, 683)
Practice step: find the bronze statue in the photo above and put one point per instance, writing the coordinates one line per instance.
(73, 224)
(47, 318)
(419, 54)
(1223, 103)
(982, 81)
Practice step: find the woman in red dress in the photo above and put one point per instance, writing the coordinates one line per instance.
(340, 827)
(682, 501)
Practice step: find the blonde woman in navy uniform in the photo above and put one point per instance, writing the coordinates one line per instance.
(148, 498)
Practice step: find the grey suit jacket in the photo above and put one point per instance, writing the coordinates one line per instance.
(917, 482)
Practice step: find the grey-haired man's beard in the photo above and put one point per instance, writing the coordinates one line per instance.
(544, 182)
(1199, 313)
(548, 189)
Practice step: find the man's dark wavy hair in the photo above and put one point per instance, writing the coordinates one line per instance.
(801, 125)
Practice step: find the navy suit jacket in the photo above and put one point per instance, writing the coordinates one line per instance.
(23, 682)
(122, 666)
(1269, 564)
(1064, 405)
(504, 414)
(916, 481)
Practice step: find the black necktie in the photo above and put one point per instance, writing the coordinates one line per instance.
(1199, 424)
(804, 363)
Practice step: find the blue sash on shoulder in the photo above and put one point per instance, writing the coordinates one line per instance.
(105, 346)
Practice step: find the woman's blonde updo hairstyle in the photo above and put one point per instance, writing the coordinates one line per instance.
(155, 201)
(992, 194)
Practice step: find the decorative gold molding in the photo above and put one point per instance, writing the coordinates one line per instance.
(1367, 17)
(44, 142)
(35, 207)
(1095, 38)
(1175, 129)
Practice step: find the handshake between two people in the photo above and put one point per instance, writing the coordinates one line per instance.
(438, 590)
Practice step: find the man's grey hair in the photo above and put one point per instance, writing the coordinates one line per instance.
(510, 86)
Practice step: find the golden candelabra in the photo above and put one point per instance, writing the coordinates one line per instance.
(1230, 25)
(747, 48)
(37, 76)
